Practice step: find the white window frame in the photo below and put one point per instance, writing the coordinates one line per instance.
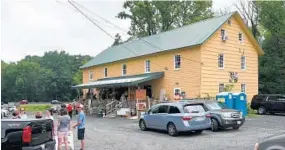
(105, 72)
(243, 64)
(242, 37)
(241, 88)
(219, 61)
(124, 70)
(91, 75)
(220, 86)
(147, 66)
(175, 90)
(175, 62)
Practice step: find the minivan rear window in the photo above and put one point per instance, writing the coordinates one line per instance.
(193, 108)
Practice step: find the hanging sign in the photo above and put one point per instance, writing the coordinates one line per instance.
(141, 94)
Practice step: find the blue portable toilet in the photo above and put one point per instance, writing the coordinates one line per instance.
(240, 102)
(226, 98)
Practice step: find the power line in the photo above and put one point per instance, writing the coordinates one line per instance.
(151, 44)
(104, 30)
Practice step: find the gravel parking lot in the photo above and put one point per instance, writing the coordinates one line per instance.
(123, 134)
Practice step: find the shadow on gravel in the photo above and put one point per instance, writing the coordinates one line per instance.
(181, 134)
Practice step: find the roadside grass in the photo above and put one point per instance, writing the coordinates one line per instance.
(250, 112)
(35, 107)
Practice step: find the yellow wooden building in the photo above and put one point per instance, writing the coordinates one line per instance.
(198, 60)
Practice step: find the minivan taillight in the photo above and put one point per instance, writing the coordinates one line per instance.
(186, 118)
(27, 134)
(208, 115)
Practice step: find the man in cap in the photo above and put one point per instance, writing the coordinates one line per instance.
(80, 125)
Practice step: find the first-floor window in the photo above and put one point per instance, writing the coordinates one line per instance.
(221, 87)
(105, 72)
(177, 91)
(243, 88)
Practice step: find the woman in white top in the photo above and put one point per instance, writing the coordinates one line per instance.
(49, 116)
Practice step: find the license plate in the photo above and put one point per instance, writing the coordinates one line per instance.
(199, 118)
(238, 122)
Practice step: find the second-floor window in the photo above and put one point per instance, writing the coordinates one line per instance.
(243, 62)
(90, 75)
(105, 72)
(147, 66)
(124, 69)
(221, 61)
(177, 62)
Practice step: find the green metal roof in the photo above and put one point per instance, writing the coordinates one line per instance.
(122, 81)
(190, 35)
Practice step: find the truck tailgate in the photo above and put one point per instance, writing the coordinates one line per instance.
(12, 131)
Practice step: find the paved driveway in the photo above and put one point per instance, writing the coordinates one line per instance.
(122, 134)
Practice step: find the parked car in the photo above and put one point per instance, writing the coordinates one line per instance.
(274, 142)
(176, 117)
(55, 102)
(4, 112)
(12, 108)
(30, 134)
(23, 102)
(268, 103)
(221, 116)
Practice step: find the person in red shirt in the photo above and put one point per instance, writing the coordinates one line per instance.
(69, 109)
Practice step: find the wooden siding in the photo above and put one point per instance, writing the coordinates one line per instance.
(232, 50)
(187, 78)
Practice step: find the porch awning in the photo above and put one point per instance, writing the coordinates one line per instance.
(122, 81)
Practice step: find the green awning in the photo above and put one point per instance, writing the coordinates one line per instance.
(122, 81)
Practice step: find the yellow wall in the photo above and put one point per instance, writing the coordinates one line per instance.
(212, 76)
(194, 78)
(188, 77)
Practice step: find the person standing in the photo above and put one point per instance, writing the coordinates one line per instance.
(69, 109)
(63, 128)
(23, 114)
(80, 125)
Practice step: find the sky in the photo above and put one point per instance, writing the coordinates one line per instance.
(32, 27)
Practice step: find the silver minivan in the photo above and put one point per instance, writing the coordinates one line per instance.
(176, 117)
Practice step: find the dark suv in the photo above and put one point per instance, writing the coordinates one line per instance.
(221, 116)
(268, 103)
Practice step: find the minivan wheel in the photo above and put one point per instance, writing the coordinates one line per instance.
(261, 110)
(171, 129)
(142, 125)
(214, 125)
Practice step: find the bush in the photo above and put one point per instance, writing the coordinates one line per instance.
(36, 107)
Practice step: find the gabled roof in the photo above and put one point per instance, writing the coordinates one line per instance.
(190, 35)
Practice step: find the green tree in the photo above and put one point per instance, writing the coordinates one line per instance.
(152, 17)
(272, 64)
(118, 40)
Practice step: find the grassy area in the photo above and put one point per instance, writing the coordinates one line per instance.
(250, 112)
(35, 107)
